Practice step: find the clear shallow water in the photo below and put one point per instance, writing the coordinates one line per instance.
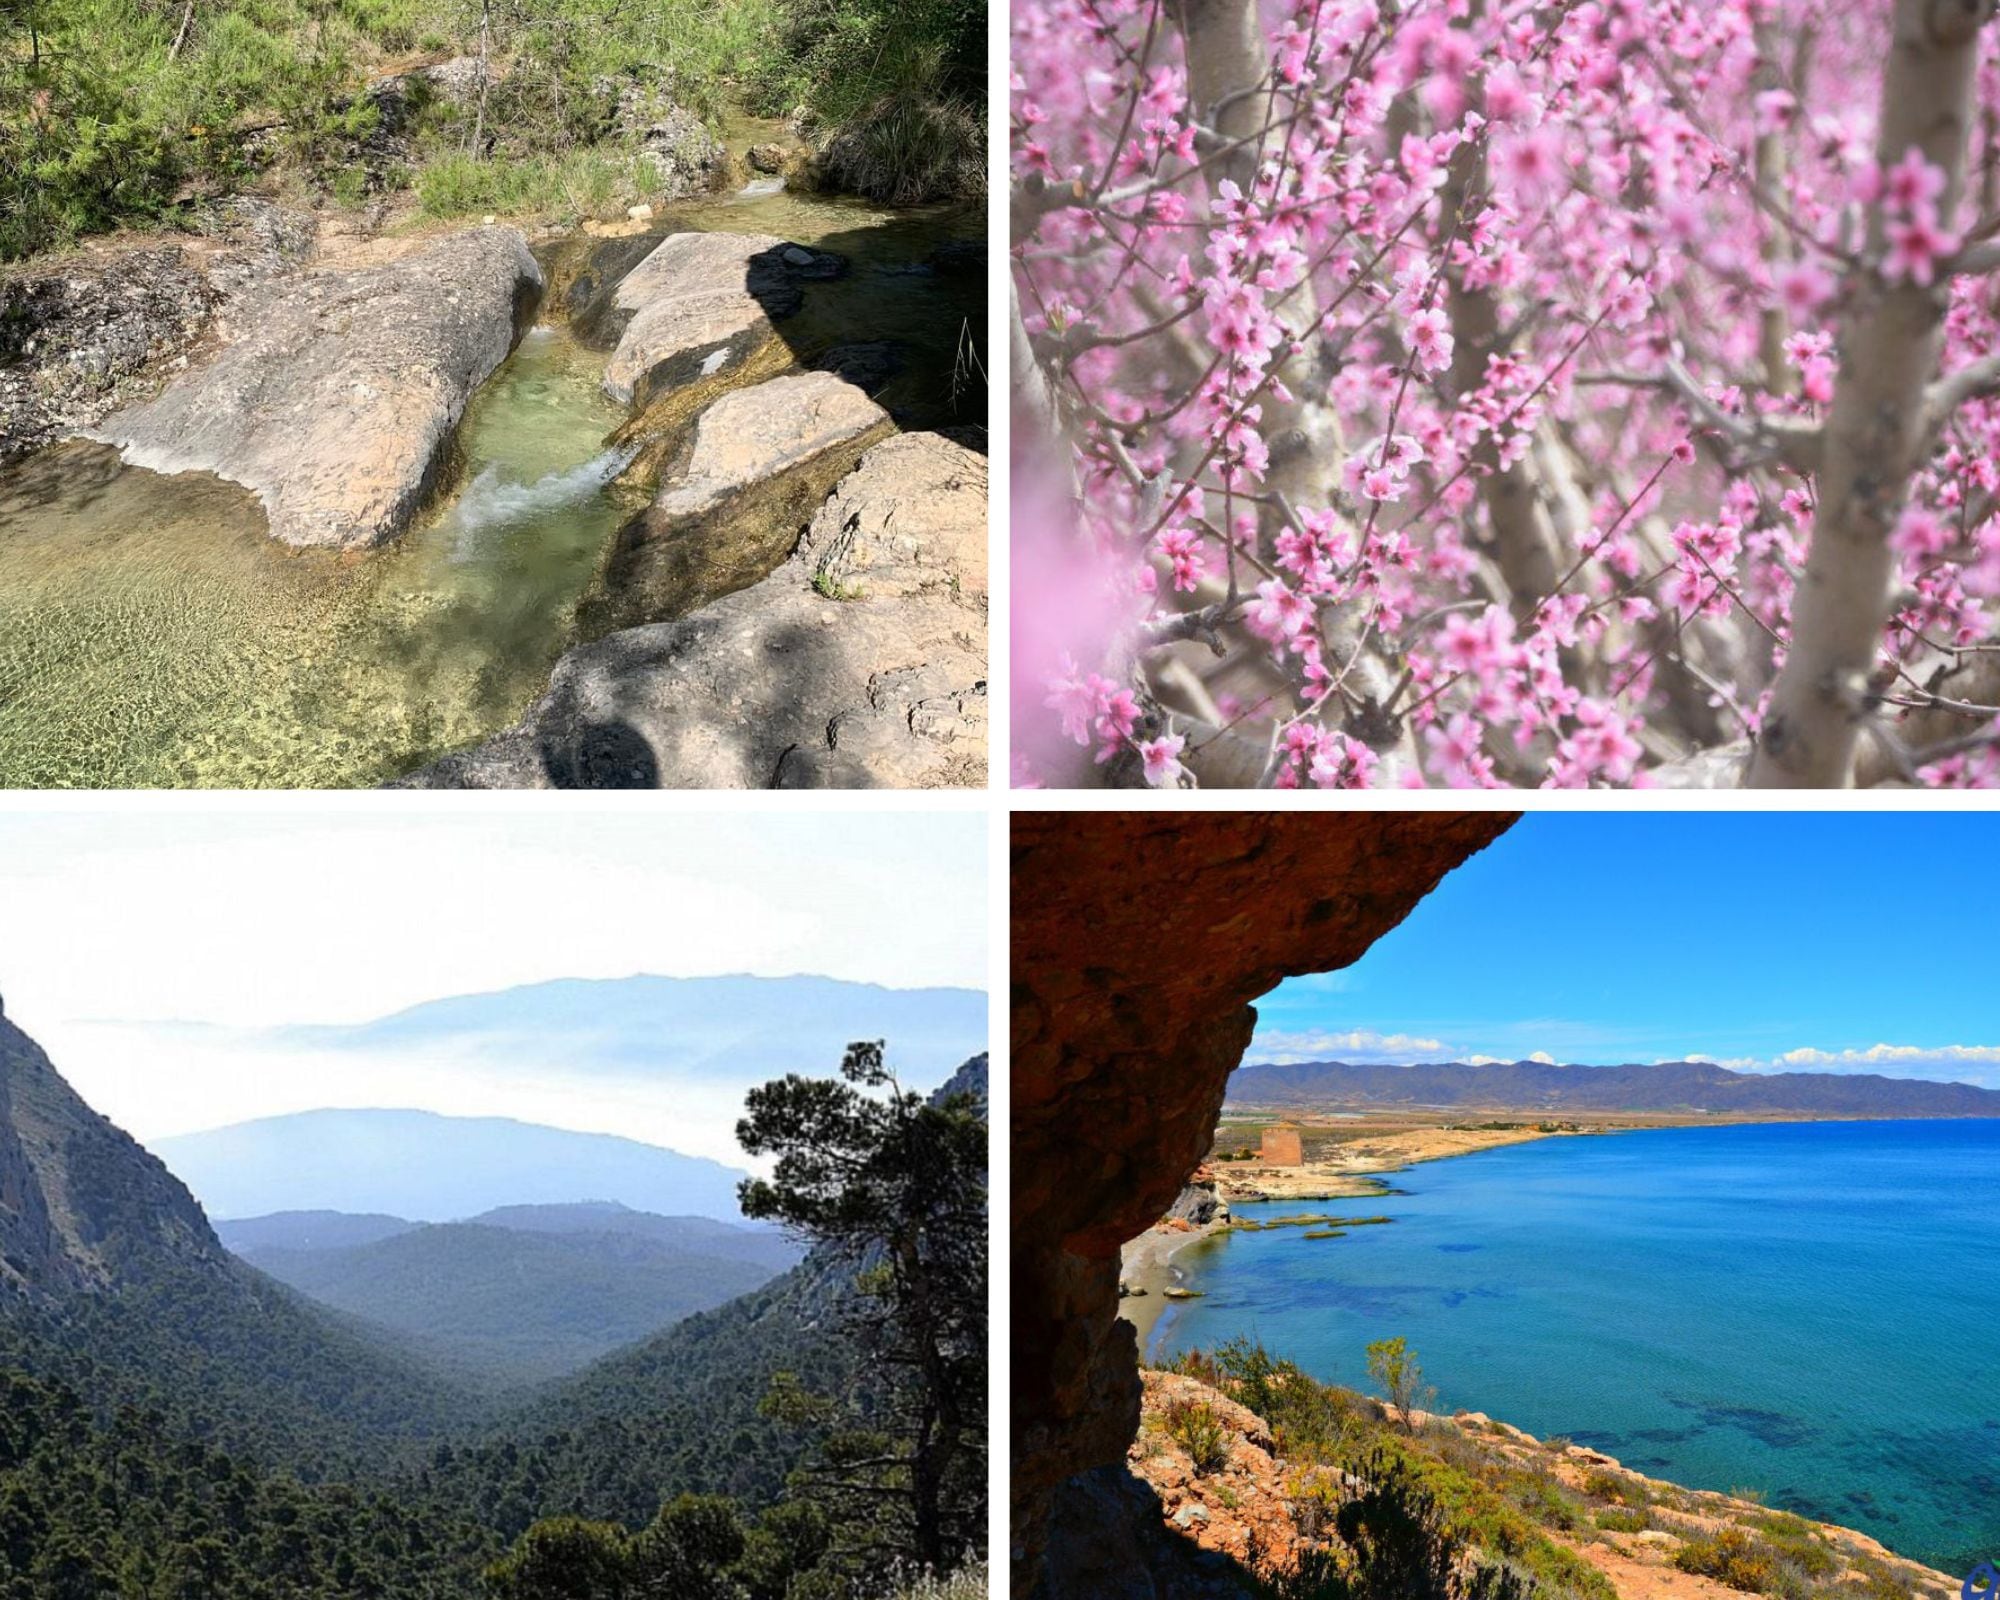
(1811, 1310)
(152, 634)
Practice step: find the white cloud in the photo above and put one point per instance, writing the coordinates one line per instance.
(1877, 1055)
(1543, 1057)
(1280, 1047)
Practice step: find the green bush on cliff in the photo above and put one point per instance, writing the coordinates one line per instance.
(1432, 1497)
(1194, 1426)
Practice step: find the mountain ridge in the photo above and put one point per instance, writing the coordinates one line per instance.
(1675, 1086)
(425, 1166)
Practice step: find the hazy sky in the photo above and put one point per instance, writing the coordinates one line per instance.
(1857, 942)
(224, 916)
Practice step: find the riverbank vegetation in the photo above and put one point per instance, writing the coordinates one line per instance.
(116, 112)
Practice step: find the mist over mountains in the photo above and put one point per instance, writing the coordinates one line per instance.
(728, 1029)
(392, 1429)
(425, 1167)
(519, 1294)
(1672, 1086)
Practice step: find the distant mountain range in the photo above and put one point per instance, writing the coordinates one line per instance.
(156, 1388)
(111, 1278)
(431, 1168)
(519, 1294)
(1673, 1086)
(724, 1030)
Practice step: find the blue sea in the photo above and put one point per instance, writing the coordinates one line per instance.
(1810, 1310)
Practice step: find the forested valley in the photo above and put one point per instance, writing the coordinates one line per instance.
(176, 1424)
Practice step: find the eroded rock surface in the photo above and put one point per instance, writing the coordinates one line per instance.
(760, 460)
(782, 684)
(699, 304)
(83, 333)
(336, 392)
(1138, 945)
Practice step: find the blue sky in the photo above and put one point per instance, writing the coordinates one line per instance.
(1860, 942)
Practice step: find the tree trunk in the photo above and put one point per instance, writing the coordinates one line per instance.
(1888, 351)
(1229, 77)
(479, 120)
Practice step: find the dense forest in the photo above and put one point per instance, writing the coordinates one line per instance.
(175, 1425)
(142, 111)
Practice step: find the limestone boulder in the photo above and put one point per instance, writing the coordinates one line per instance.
(700, 304)
(909, 519)
(785, 684)
(84, 333)
(334, 394)
(760, 459)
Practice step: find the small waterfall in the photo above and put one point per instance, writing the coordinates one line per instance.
(490, 501)
(758, 188)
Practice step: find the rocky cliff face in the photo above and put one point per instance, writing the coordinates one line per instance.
(1138, 944)
(1199, 1203)
(83, 1206)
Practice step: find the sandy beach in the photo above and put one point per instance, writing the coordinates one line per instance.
(1341, 1171)
(1147, 1263)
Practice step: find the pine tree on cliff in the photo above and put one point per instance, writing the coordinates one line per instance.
(896, 1185)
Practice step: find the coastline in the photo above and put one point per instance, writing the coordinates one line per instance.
(1145, 1265)
(1346, 1175)
(1934, 1531)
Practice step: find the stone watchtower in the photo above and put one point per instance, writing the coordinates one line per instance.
(1281, 1147)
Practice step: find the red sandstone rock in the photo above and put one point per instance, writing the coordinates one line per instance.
(1139, 941)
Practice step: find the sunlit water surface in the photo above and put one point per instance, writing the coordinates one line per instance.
(1811, 1311)
(153, 634)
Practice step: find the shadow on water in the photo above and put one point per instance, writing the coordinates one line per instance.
(152, 634)
(899, 311)
(905, 319)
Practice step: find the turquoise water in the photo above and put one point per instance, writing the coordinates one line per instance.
(1811, 1310)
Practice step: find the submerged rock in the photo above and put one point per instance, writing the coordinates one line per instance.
(699, 304)
(337, 392)
(791, 683)
(732, 508)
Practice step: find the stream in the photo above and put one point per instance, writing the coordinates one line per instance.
(152, 634)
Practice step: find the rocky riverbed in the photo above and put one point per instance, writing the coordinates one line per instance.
(789, 588)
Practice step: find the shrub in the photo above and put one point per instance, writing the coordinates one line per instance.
(1194, 1426)
(1602, 1485)
(1734, 1557)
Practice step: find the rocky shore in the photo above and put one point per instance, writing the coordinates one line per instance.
(1221, 1504)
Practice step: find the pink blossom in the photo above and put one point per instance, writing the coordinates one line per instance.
(1915, 248)
(1803, 287)
(1430, 340)
(1161, 760)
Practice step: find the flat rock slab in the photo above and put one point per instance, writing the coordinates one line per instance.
(756, 433)
(909, 519)
(337, 391)
(778, 685)
(700, 303)
(760, 461)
